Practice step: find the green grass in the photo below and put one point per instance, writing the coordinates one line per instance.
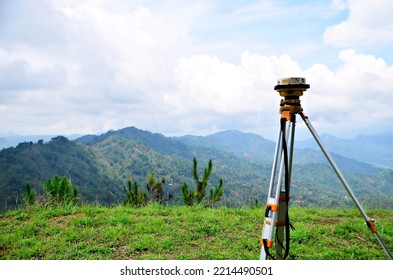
(183, 233)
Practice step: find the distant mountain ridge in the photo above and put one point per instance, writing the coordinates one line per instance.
(100, 164)
(12, 140)
(155, 141)
(374, 149)
(256, 148)
(247, 145)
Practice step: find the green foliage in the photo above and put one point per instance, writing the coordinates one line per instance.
(188, 196)
(156, 189)
(59, 190)
(30, 197)
(37, 162)
(216, 194)
(134, 196)
(201, 185)
(100, 169)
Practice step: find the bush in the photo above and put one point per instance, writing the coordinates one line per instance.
(59, 190)
(134, 196)
(156, 189)
(29, 197)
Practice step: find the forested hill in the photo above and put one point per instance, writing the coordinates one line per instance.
(99, 166)
(37, 162)
(155, 141)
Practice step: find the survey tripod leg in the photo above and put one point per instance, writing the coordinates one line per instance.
(276, 212)
(369, 221)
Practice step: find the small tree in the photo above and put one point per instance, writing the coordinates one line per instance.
(30, 197)
(156, 189)
(188, 196)
(134, 196)
(60, 190)
(216, 194)
(201, 185)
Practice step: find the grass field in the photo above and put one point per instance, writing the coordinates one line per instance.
(183, 233)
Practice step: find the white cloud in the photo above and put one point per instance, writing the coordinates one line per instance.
(106, 66)
(104, 60)
(370, 23)
(358, 95)
(207, 82)
(337, 6)
(355, 94)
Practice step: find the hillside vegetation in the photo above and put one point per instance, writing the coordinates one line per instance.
(99, 166)
(182, 233)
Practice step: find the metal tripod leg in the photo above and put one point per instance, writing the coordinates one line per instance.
(276, 209)
(270, 216)
(281, 222)
(369, 221)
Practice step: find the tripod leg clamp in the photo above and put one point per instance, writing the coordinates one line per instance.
(372, 226)
(270, 207)
(266, 243)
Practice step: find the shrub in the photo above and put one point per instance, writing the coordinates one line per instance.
(134, 196)
(59, 190)
(156, 189)
(29, 197)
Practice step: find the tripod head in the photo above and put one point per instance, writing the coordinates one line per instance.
(291, 89)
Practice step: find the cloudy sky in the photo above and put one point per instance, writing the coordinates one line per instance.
(193, 67)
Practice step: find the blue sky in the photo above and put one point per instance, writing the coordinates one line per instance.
(193, 67)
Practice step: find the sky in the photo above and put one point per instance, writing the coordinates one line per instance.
(193, 67)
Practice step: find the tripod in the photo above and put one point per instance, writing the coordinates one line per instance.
(276, 211)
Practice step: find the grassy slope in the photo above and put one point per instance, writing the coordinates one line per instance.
(156, 232)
